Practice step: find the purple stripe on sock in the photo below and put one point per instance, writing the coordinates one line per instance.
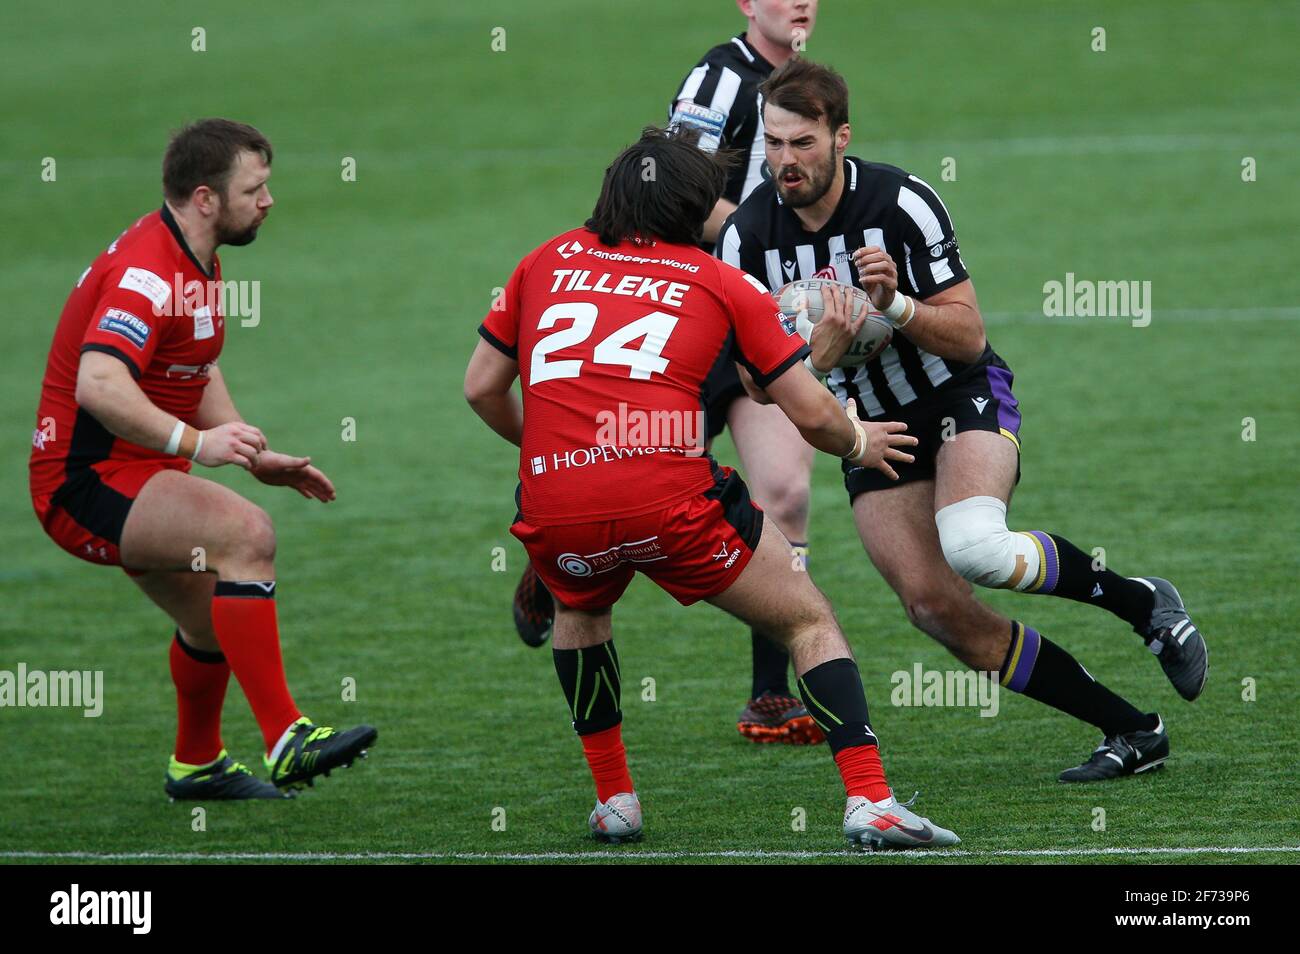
(1029, 640)
(1053, 561)
(1008, 406)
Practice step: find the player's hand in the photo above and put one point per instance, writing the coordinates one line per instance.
(282, 470)
(833, 335)
(878, 274)
(884, 442)
(234, 443)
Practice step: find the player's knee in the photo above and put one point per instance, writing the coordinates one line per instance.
(252, 538)
(932, 611)
(977, 544)
(787, 505)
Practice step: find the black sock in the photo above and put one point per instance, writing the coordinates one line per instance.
(832, 693)
(1042, 670)
(771, 661)
(1069, 574)
(592, 686)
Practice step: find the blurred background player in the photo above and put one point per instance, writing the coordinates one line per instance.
(720, 98)
(942, 525)
(132, 396)
(629, 313)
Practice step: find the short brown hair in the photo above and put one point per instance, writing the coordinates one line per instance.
(663, 186)
(809, 90)
(204, 153)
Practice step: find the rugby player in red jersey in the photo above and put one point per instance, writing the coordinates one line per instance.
(612, 329)
(132, 397)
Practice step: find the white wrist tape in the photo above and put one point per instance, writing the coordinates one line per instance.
(175, 442)
(198, 445)
(859, 442)
(819, 375)
(901, 310)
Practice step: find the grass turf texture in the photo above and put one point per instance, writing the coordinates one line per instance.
(1117, 165)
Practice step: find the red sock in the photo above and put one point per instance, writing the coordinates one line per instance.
(862, 772)
(607, 759)
(243, 614)
(200, 679)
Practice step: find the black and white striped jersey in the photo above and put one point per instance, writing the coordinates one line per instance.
(882, 205)
(726, 81)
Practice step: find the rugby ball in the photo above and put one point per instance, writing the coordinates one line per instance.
(802, 301)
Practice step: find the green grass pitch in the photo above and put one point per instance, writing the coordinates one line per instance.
(1125, 164)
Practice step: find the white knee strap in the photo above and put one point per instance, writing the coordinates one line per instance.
(979, 547)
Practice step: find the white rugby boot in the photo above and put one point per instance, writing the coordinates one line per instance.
(892, 824)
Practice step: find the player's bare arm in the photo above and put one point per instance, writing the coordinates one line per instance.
(216, 407)
(489, 381)
(947, 324)
(106, 390)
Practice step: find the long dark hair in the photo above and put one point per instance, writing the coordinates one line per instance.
(663, 186)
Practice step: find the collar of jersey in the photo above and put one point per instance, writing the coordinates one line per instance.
(174, 227)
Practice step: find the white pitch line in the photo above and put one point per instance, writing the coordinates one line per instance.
(630, 854)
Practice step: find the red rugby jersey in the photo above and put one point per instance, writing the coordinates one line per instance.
(146, 301)
(614, 348)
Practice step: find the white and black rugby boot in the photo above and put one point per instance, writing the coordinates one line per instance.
(1174, 639)
(1129, 754)
(891, 824)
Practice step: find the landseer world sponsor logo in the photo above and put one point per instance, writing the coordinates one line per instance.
(570, 249)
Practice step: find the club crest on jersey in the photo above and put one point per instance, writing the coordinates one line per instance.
(569, 249)
(127, 325)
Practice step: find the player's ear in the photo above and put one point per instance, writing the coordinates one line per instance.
(205, 200)
(842, 137)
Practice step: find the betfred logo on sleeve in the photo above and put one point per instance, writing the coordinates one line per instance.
(709, 122)
(125, 324)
